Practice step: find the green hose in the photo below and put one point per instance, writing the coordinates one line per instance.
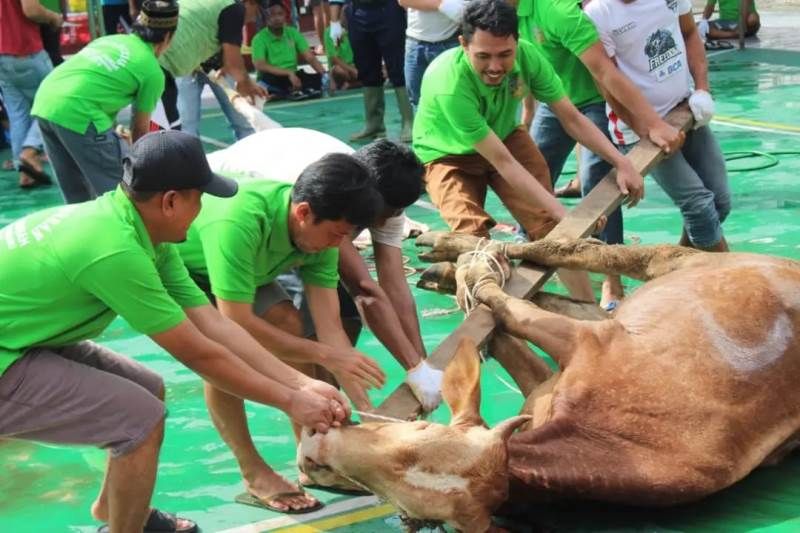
(770, 159)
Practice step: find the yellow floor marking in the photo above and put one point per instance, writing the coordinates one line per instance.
(342, 520)
(757, 123)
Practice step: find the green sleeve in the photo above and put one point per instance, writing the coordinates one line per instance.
(259, 46)
(462, 113)
(323, 270)
(230, 249)
(138, 296)
(539, 74)
(569, 27)
(176, 280)
(151, 87)
(300, 41)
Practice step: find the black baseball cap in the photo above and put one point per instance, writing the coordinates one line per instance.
(173, 161)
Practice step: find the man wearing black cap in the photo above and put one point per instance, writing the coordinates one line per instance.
(69, 271)
(78, 102)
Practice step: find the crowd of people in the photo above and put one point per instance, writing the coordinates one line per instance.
(258, 288)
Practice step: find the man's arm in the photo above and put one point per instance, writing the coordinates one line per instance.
(312, 60)
(36, 12)
(528, 111)
(695, 52)
(709, 9)
(495, 152)
(233, 63)
(583, 130)
(140, 125)
(645, 120)
(224, 370)
(379, 309)
(392, 279)
(341, 360)
(324, 306)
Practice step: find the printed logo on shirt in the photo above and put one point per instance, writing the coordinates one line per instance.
(623, 29)
(661, 52)
(17, 235)
(672, 5)
(516, 87)
(103, 59)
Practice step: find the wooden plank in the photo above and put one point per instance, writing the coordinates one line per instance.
(526, 279)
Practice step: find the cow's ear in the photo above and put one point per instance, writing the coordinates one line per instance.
(507, 427)
(461, 387)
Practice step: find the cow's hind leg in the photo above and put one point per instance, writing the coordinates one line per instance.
(638, 262)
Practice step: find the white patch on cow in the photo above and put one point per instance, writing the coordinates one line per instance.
(749, 358)
(431, 481)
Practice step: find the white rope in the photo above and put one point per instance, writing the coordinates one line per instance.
(480, 253)
(363, 414)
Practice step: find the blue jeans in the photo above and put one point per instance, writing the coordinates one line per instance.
(190, 89)
(20, 77)
(696, 180)
(556, 145)
(419, 55)
(86, 165)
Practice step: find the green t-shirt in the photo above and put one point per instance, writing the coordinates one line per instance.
(93, 85)
(564, 33)
(239, 244)
(344, 51)
(457, 109)
(729, 9)
(69, 271)
(279, 50)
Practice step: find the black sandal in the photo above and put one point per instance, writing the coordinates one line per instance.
(160, 522)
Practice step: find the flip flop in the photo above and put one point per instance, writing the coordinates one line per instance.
(610, 306)
(160, 522)
(248, 499)
(39, 176)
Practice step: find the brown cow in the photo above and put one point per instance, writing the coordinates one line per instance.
(691, 384)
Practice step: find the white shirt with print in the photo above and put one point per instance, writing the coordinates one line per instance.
(281, 154)
(644, 36)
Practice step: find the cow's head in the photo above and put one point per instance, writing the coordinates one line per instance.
(455, 473)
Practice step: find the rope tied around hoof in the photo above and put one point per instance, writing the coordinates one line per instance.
(481, 253)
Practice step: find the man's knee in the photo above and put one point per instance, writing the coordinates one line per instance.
(702, 221)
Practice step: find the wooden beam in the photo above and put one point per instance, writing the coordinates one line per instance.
(526, 279)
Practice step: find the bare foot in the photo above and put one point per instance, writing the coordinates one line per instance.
(25, 181)
(269, 482)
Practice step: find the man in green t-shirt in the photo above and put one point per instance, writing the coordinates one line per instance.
(467, 133)
(344, 74)
(571, 44)
(77, 103)
(727, 25)
(236, 249)
(276, 49)
(69, 271)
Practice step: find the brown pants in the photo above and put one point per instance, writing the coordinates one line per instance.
(458, 184)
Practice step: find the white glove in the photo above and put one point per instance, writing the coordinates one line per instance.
(702, 29)
(702, 106)
(426, 384)
(336, 32)
(452, 9)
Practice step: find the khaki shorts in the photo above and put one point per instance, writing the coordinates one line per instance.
(80, 394)
(458, 184)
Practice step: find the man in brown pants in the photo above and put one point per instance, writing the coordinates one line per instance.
(467, 133)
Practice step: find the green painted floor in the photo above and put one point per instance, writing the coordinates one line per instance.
(47, 488)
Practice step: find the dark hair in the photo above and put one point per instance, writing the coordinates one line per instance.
(150, 35)
(339, 187)
(274, 3)
(495, 16)
(397, 170)
(137, 196)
